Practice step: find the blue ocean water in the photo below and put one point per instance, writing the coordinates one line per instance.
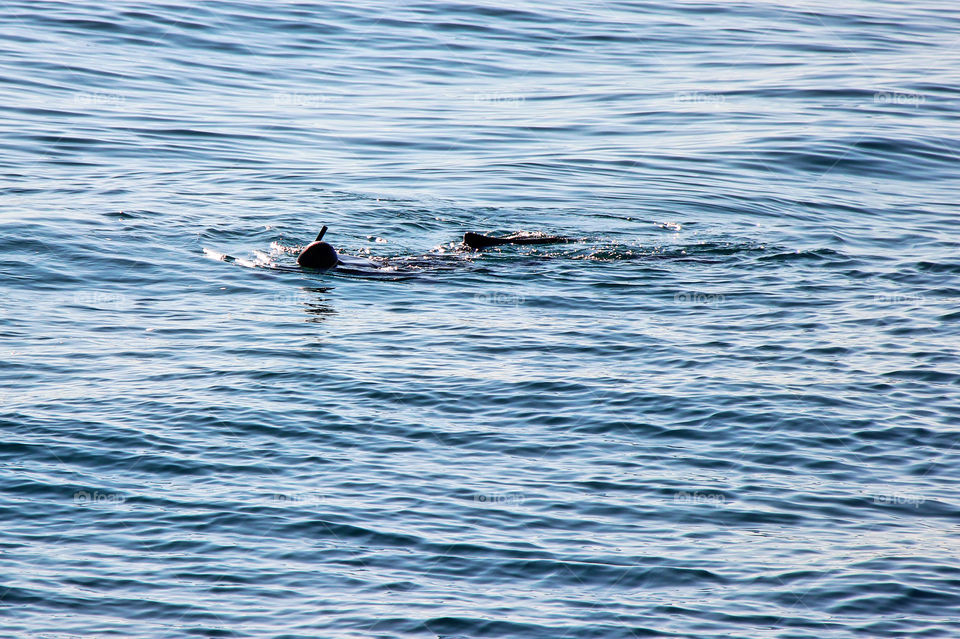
(729, 409)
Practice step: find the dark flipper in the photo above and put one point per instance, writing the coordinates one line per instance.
(478, 241)
(320, 234)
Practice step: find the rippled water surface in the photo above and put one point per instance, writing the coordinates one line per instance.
(729, 409)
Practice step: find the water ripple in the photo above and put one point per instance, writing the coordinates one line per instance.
(727, 408)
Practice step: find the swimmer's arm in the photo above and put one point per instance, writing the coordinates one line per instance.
(478, 241)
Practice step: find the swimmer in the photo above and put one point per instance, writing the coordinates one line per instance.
(322, 256)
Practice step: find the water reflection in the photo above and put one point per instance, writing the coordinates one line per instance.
(316, 303)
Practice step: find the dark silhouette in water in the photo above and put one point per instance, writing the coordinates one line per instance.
(477, 241)
(318, 254)
(323, 257)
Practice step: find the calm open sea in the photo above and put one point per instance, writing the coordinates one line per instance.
(730, 409)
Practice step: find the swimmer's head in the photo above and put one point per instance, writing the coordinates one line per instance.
(318, 255)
